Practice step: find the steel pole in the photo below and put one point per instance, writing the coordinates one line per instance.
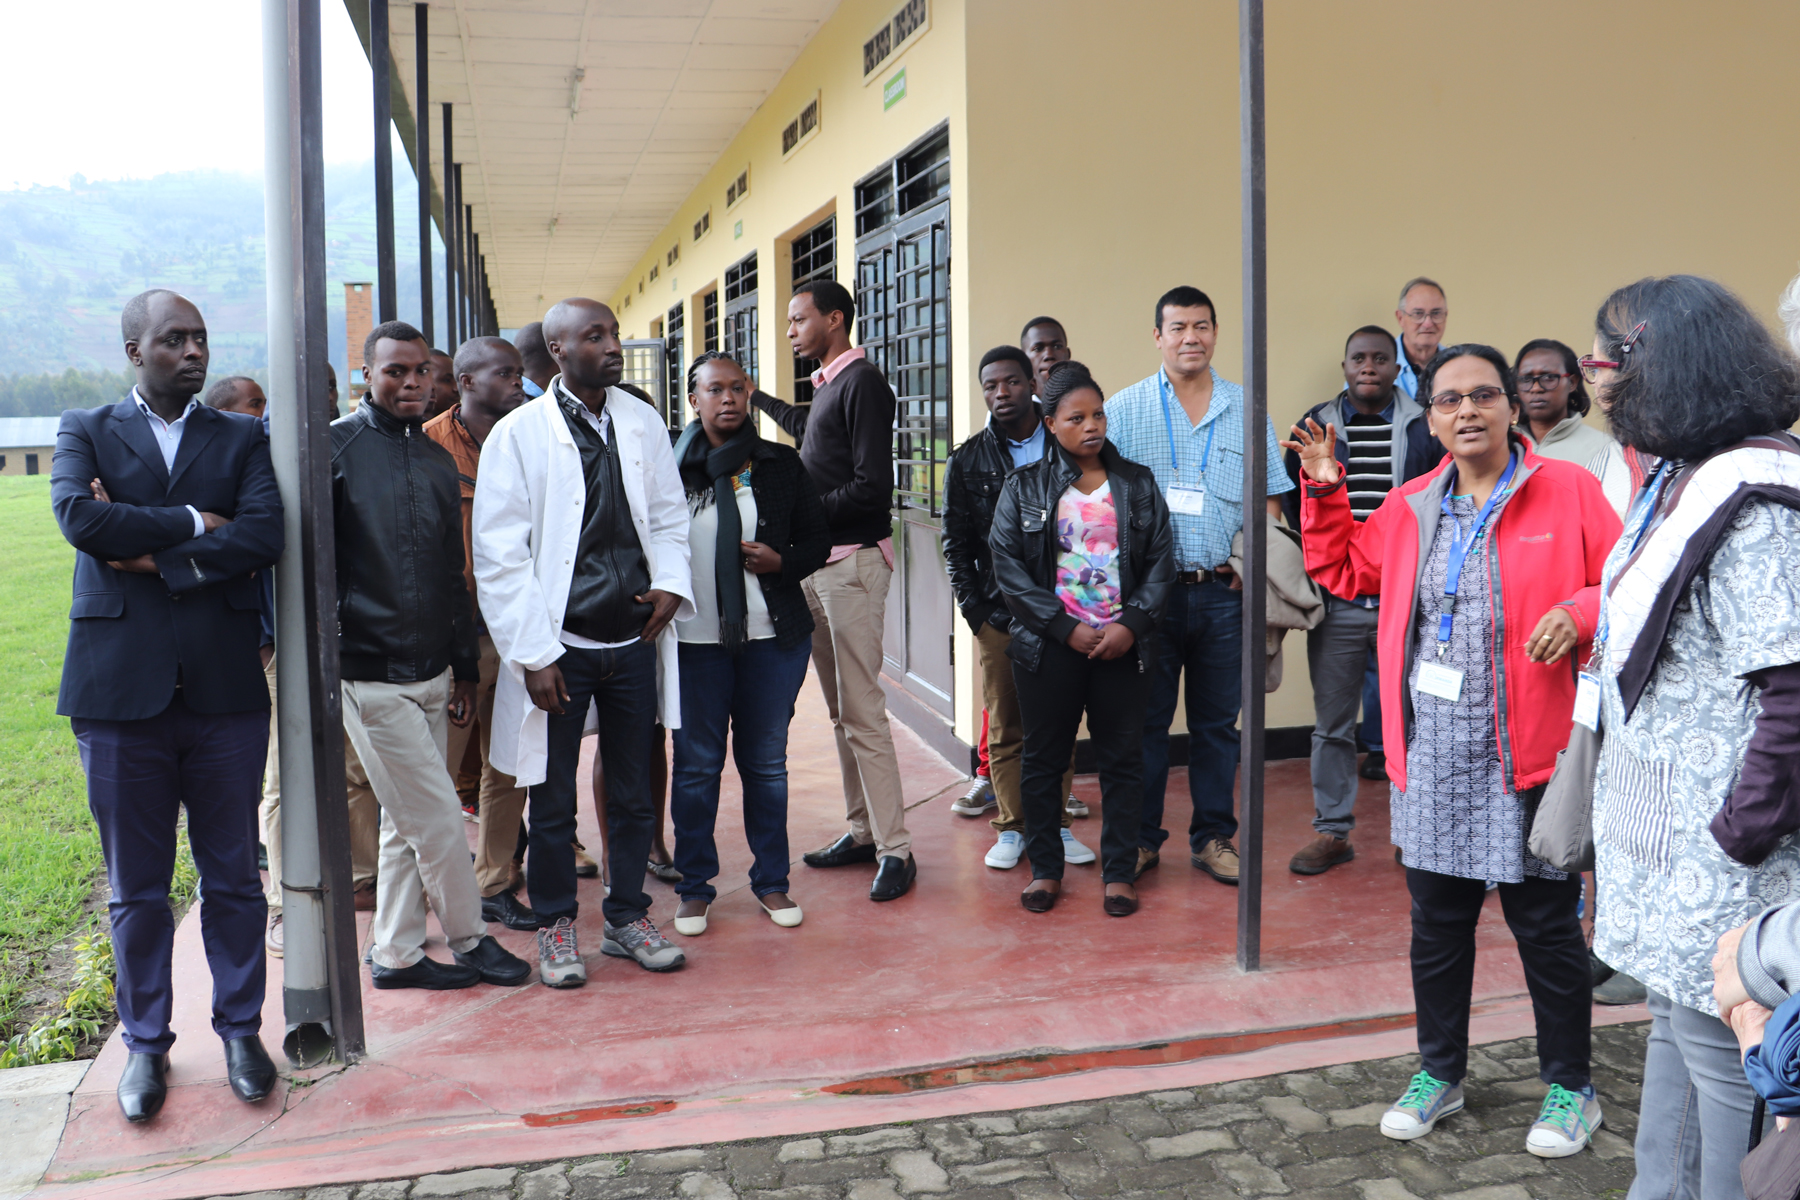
(422, 159)
(449, 231)
(1256, 410)
(380, 68)
(321, 995)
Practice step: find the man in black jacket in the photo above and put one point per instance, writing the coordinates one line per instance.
(1382, 442)
(1014, 437)
(846, 440)
(405, 625)
(172, 509)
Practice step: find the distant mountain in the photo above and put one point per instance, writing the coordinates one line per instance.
(71, 257)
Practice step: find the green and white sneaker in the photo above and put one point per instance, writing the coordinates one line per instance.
(1565, 1123)
(1417, 1113)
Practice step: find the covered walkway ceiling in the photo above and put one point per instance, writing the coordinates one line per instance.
(583, 124)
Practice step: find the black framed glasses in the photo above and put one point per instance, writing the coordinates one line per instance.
(1484, 397)
(1543, 381)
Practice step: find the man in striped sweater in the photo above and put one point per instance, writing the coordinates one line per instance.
(1382, 442)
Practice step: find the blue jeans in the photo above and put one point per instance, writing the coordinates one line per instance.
(1371, 705)
(622, 683)
(1694, 1120)
(1202, 632)
(753, 694)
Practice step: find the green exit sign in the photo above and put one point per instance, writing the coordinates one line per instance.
(894, 90)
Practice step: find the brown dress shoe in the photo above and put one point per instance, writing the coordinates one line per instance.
(364, 896)
(585, 866)
(1146, 860)
(1321, 854)
(1218, 858)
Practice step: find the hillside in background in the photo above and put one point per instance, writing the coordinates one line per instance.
(71, 257)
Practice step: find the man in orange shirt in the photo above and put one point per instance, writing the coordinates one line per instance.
(488, 380)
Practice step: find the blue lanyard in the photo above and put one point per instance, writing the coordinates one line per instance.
(1163, 390)
(1459, 548)
(1643, 514)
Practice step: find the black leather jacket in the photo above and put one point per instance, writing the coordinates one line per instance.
(1023, 543)
(972, 482)
(403, 608)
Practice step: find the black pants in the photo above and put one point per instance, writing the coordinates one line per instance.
(1115, 695)
(1541, 915)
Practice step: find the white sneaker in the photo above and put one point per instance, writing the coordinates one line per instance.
(1007, 849)
(1564, 1125)
(1426, 1102)
(1074, 852)
(1076, 808)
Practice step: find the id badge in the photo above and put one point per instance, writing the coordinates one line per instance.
(1435, 679)
(1587, 701)
(1186, 499)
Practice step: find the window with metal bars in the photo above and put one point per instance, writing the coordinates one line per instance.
(709, 319)
(814, 257)
(675, 364)
(740, 313)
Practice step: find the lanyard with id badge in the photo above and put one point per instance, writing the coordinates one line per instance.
(1435, 678)
(1185, 499)
(1587, 683)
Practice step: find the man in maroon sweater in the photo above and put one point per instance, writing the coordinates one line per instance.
(846, 438)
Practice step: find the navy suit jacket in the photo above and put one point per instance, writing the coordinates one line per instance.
(133, 636)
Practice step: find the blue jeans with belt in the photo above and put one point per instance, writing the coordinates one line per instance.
(1202, 633)
(750, 695)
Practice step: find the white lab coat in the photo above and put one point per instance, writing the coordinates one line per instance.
(529, 499)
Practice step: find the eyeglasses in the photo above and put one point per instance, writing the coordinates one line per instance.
(1484, 397)
(1542, 382)
(1427, 314)
(1591, 366)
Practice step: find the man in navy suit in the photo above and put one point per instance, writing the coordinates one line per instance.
(173, 508)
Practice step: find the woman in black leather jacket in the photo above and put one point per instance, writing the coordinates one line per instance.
(1083, 555)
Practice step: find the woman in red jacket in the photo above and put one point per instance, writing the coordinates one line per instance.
(1488, 570)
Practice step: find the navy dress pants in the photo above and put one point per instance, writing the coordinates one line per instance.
(140, 774)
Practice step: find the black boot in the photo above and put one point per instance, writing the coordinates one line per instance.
(144, 1086)
(249, 1069)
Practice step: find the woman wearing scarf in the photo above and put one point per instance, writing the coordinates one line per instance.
(1698, 676)
(756, 530)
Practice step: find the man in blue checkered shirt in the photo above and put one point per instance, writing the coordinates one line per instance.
(1187, 425)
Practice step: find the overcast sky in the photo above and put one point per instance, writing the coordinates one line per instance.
(174, 85)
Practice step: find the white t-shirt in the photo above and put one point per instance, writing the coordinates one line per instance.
(703, 535)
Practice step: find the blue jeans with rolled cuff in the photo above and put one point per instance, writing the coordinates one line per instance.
(1202, 633)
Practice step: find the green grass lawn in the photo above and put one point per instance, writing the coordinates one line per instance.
(49, 849)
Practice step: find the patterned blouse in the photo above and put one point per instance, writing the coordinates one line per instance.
(1456, 816)
(1666, 889)
(1087, 555)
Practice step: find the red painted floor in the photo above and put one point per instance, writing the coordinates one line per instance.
(762, 1018)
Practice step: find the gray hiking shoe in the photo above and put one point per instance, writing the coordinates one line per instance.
(641, 941)
(559, 963)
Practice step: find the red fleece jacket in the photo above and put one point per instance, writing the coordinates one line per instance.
(1546, 548)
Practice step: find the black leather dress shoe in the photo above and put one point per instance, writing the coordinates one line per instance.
(841, 853)
(427, 973)
(144, 1086)
(495, 964)
(506, 909)
(249, 1069)
(894, 879)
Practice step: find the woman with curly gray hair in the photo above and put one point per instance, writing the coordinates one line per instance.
(1696, 670)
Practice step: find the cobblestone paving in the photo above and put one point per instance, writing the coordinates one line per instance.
(1310, 1136)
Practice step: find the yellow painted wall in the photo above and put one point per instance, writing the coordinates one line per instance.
(15, 459)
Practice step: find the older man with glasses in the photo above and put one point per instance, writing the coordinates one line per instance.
(1422, 314)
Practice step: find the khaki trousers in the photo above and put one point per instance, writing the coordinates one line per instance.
(502, 800)
(848, 599)
(365, 814)
(399, 731)
(1006, 731)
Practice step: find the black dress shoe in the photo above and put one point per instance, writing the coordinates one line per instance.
(508, 910)
(1374, 766)
(1119, 906)
(427, 973)
(495, 964)
(1041, 900)
(143, 1087)
(841, 853)
(248, 1067)
(894, 878)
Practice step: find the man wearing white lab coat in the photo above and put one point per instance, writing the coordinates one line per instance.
(578, 590)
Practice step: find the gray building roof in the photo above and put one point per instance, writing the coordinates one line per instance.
(26, 432)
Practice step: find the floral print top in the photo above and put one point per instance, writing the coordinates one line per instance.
(1087, 555)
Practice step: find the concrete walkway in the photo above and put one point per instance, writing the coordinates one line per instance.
(34, 1104)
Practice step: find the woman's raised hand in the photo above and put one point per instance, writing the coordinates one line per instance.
(1317, 448)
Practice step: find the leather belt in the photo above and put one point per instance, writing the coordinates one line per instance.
(1195, 576)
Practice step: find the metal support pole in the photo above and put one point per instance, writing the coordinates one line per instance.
(1256, 415)
(386, 296)
(470, 264)
(422, 159)
(321, 994)
(449, 230)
